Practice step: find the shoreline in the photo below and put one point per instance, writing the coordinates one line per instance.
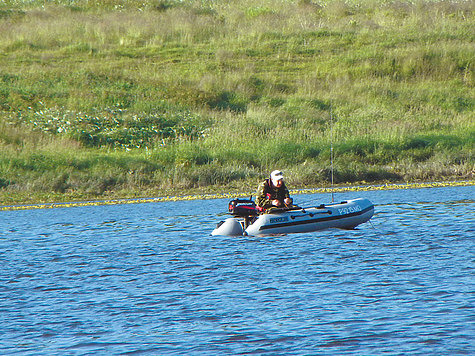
(392, 186)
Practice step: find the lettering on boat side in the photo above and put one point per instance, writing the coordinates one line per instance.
(349, 210)
(277, 220)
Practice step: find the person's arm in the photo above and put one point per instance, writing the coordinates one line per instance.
(287, 199)
(286, 193)
(262, 199)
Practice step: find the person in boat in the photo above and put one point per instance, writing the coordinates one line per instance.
(273, 193)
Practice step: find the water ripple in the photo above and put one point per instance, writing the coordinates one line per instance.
(149, 279)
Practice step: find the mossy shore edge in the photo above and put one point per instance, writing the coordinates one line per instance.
(206, 196)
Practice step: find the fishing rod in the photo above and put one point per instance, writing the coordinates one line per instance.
(331, 151)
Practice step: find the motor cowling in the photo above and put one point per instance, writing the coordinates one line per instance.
(243, 207)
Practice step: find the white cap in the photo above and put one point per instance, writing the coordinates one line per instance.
(276, 175)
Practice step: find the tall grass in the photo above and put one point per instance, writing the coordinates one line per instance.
(191, 94)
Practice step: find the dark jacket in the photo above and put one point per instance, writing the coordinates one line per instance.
(268, 192)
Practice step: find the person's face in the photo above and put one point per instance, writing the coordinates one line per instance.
(279, 183)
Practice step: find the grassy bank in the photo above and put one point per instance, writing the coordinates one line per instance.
(144, 98)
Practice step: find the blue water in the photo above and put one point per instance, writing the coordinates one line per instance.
(149, 279)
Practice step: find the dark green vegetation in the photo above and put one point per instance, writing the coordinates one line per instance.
(116, 98)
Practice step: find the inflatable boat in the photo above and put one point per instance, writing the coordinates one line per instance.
(247, 220)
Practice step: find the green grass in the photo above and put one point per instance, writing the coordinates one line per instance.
(118, 98)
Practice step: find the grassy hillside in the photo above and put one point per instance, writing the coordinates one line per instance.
(123, 98)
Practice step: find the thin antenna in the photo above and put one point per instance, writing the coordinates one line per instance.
(331, 150)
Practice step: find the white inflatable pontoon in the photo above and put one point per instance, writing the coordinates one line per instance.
(246, 221)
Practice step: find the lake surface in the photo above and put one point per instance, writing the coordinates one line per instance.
(149, 279)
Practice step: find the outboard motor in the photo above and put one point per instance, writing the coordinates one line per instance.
(243, 207)
(244, 212)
